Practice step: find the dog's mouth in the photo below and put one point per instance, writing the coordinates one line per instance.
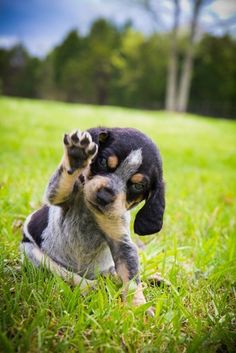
(96, 206)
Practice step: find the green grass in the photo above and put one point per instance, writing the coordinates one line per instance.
(196, 250)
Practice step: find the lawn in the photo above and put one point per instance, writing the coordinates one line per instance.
(195, 251)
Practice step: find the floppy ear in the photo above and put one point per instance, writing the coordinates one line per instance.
(149, 219)
(99, 135)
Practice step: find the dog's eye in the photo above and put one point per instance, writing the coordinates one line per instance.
(137, 187)
(103, 163)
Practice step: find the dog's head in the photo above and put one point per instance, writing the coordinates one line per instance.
(126, 170)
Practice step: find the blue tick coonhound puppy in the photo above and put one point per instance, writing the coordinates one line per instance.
(83, 228)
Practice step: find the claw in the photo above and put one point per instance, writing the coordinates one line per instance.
(75, 137)
(92, 150)
(65, 140)
(85, 139)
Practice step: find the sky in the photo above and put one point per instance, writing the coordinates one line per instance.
(42, 24)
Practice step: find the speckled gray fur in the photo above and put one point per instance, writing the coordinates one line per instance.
(67, 229)
(72, 237)
(77, 242)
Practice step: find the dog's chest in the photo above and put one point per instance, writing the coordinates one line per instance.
(74, 239)
(81, 230)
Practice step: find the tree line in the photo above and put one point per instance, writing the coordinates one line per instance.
(119, 66)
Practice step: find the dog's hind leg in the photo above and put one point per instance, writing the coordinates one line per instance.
(38, 258)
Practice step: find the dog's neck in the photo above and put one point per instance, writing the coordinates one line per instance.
(114, 227)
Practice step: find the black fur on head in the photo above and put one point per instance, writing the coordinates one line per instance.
(121, 142)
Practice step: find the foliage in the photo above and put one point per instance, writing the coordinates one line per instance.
(19, 72)
(196, 250)
(215, 92)
(118, 66)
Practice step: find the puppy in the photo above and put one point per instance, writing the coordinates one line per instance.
(83, 229)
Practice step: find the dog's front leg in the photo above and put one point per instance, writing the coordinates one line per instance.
(79, 149)
(126, 260)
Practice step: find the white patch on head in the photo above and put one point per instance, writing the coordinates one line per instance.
(130, 165)
(135, 158)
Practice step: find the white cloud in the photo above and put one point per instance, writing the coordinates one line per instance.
(8, 41)
(224, 8)
(55, 18)
(219, 17)
(41, 45)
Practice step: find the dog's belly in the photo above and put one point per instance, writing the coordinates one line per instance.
(77, 243)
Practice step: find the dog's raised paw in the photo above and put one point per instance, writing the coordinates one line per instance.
(79, 149)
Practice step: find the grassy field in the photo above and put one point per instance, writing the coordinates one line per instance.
(195, 251)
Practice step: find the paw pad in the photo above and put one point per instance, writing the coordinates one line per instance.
(80, 149)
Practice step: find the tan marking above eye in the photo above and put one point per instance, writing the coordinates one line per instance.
(112, 161)
(137, 178)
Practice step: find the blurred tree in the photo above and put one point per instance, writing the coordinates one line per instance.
(142, 60)
(172, 72)
(103, 43)
(176, 101)
(19, 72)
(119, 66)
(213, 89)
(70, 48)
(127, 70)
(47, 87)
(186, 72)
(4, 68)
(156, 10)
(83, 66)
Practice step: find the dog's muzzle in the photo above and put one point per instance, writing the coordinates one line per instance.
(105, 196)
(105, 193)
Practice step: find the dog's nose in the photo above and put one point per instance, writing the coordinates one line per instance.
(105, 196)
